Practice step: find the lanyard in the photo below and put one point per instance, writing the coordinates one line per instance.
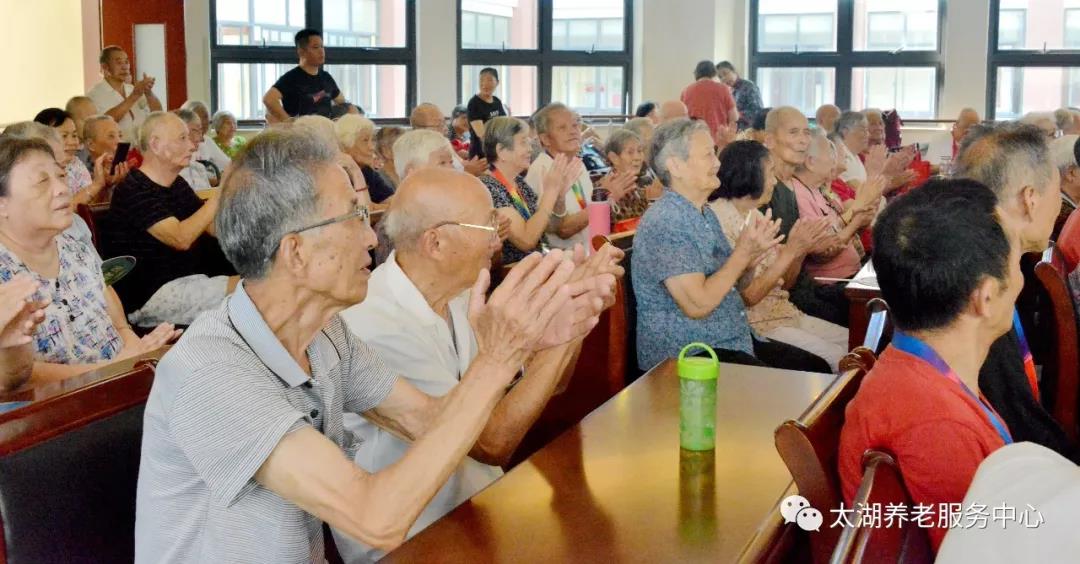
(579, 194)
(1025, 350)
(515, 196)
(915, 347)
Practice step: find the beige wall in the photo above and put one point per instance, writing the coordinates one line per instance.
(55, 71)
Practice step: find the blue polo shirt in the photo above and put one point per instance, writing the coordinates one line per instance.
(676, 238)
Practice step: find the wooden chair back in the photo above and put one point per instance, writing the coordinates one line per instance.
(809, 447)
(1061, 366)
(901, 541)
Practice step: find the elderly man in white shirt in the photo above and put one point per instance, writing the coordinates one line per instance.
(128, 104)
(415, 315)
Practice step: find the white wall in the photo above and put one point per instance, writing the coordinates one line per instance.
(669, 38)
(45, 69)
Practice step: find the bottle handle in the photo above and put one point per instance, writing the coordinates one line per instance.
(712, 353)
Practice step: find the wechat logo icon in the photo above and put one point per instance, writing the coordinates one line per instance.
(797, 509)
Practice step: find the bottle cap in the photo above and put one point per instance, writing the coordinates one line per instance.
(696, 367)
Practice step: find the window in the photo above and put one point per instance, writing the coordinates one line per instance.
(803, 88)
(589, 90)
(517, 87)
(907, 89)
(1033, 57)
(852, 53)
(573, 51)
(369, 51)
(269, 22)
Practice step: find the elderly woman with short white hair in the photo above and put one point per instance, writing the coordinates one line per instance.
(356, 138)
(685, 273)
(225, 137)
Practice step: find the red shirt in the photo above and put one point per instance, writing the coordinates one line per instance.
(937, 431)
(1068, 241)
(709, 101)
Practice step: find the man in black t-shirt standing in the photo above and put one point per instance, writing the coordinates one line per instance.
(306, 89)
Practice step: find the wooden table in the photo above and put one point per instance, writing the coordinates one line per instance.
(860, 291)
(617, 488)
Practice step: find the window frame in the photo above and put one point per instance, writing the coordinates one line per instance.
(1020, 58)
(846, 58)
(545, 57)
(286, 54)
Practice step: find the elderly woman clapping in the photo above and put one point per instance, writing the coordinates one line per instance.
(84, 324)
(685, 272)
(225, 137)
(507, 148)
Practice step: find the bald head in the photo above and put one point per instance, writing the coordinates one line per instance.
(783, 117)
(826, 117)
(967, 119)
(427, 116)
(429, 196)
(159, 125)
(672, 109)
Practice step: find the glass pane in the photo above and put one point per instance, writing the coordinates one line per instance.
(241, 86)
(803, 88)
(910, 91)
(886, 25)
(499, 24)
(363, 23)
(378, 89)
(589, 90)
(592, 25)
(1035, 89)
(796, 25)
(517, 87)
(272, 22)
(1039, 24)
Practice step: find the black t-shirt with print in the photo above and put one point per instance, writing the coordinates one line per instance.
(483, 111)
(305, 94)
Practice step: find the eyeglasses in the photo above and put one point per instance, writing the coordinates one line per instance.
(360, 211)
(492, 226)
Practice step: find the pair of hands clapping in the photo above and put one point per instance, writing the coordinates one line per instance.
(544, 301)
(564, 172)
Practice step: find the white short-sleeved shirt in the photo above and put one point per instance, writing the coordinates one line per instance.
(1030, 479)
(535, 180)
(396, 320)
(106, 98)
(223, 398)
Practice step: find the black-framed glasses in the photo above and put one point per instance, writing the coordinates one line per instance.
(359, 210)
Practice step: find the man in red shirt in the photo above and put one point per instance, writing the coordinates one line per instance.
(710, 100)
(921, 401)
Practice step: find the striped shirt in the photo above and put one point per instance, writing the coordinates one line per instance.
(223, 397)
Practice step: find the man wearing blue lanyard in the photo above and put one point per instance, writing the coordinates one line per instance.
(1016, 164)
(951, 274)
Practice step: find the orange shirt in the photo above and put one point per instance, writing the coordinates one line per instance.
(937, 431)
(709, 101)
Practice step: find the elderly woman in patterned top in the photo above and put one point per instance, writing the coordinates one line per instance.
(746, 183)
(625, 150)
(686, 274)
(84, 325)
(506, 144)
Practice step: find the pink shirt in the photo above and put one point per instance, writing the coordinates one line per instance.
(709, 101)
(812, 205)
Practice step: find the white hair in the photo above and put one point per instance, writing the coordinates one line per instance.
(414, 149)
(33, 130)
(1062, 151)
(1039, 119)
(91, 124)
(149, 127)
(320, 126)
(349, 126)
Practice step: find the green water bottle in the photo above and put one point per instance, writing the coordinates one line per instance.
(697, 398)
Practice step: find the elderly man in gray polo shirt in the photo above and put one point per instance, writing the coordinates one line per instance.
(244, 453)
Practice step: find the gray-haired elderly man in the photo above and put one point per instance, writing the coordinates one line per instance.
(244, 451)
(1015, 162)
(156, 217)
(415, 316)
(558, 131)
